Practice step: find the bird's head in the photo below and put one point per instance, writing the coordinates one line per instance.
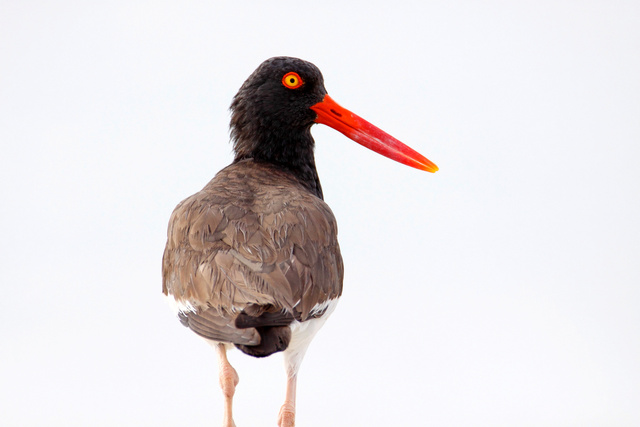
(276, 106)
(276, 98)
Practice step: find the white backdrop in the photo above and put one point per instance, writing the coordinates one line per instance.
(503, 290)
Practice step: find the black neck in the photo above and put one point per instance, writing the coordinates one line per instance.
(293, 153)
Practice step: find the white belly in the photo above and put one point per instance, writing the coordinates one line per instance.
(301, 335)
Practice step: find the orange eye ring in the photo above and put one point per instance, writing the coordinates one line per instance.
(292, 80)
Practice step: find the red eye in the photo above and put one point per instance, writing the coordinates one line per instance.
(292, 80)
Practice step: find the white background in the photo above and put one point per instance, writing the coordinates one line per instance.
(501, 291)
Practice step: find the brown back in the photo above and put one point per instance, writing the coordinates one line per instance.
(253, 235)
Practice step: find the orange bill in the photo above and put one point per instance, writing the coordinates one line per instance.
(364, 133)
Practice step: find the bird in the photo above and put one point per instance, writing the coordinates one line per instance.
(252, 261)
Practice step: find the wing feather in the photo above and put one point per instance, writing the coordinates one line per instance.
(252, 236)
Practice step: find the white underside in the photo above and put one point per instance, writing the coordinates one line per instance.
(301, 335)
(179, 306)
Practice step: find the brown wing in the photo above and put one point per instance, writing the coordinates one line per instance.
(212, 325)
(252, 236)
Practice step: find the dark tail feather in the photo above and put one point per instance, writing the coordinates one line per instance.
(272, 340)
(273, 326)
(279, 318)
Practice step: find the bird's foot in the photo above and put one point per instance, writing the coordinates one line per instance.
(287, 415)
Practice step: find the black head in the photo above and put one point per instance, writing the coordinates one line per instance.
(268, 116)
(272, 113)
(271, 117)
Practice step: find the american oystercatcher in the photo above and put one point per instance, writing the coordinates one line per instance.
(252, 260)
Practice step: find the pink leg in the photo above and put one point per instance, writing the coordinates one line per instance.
(228, 382)
(287, 415)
